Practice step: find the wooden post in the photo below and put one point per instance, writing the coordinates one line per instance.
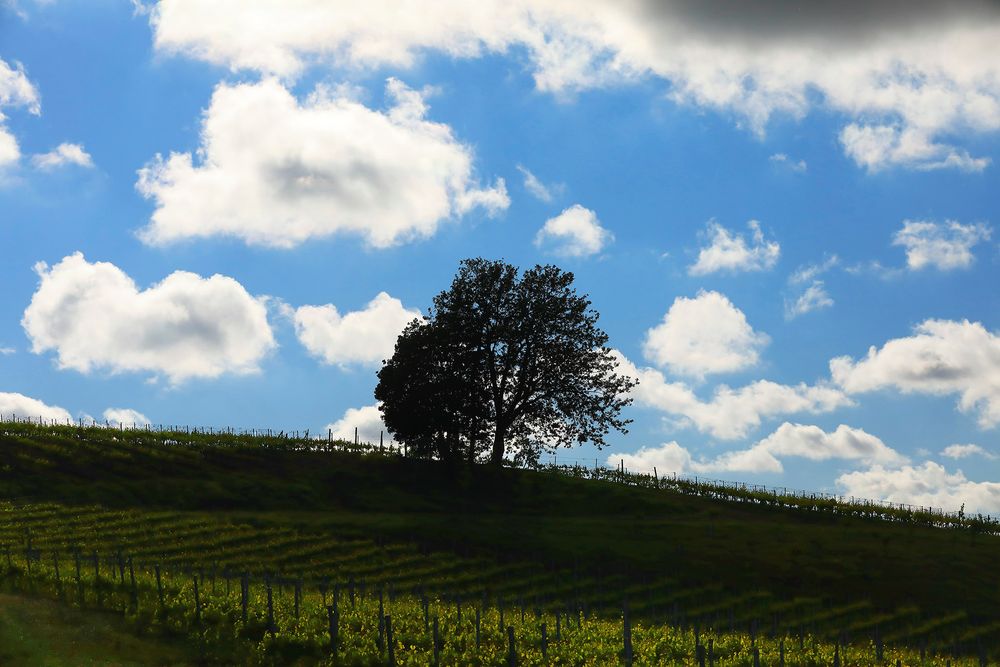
(355, 436)
(381, 621)
(756, 657)
(626, 634)
(390, 643)
(781, 652)
(511, 650)
(270, 606)
(545, 643)
(836, 654)
(197, 602)
(477, 628)
(298, 596)
(334, 618)
(244, 595)
(711, 653)
(134, 587)
(558, 627)
(436, 639)
(699, 654)
(79, 582)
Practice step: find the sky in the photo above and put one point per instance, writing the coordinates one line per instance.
(217, 213)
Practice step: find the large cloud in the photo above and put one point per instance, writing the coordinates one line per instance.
(20, 406)
(795, 440)
(908, 77)
(929, 485)
(576, 232)
(364, 336)
(272, 170)
(704, 335)
(731, 252)
(15, 91)
(95, 317)
(942, 246)
(730, 413)
(941, 357)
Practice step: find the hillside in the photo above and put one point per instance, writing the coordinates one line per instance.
(284, 509)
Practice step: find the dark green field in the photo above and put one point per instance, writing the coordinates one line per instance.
(258, 505)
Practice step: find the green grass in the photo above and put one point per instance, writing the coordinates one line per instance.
(611, 535)
(43, 633)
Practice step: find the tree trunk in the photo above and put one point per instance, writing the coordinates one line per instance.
(498, 447)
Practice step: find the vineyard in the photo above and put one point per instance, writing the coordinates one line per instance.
(341, 580)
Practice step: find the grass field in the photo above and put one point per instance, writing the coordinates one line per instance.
(220, 507)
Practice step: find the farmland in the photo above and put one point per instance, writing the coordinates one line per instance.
(133, 521)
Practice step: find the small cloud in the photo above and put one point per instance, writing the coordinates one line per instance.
(4, 351)
(539, 190)
(809, 272)
(63, 155)
(798, 166)
(813, 298)
(125, 417)
(734, 252)
(965, 451)
(576, 232)
(944, 246)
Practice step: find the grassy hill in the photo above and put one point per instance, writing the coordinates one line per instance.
(485, 531)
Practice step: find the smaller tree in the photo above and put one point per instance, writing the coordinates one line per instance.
(503, 363)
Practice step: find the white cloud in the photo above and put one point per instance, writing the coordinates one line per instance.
(125, 417)
(942, 357)
(813, 298)
(798, 166)
(274, 171)
(731, 413)
(95, 317)
(576, 232)
(942, 246)
(731, 252)
(810, 272)
(15, 91)
(795, 440)
(905, 82)
(929, 485)
(880, 146)
(364, 336)
(965, 451)
(368, 421)
(538, 189)
(4, 351)
(704, 335)
(23, 407)
(64, 154)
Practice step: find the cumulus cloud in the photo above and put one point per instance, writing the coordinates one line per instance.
(93, 316)
(877, 147)
(789, 440)
(125, 417)
(811, 272)
(732, 252)
(814, 297)
(941, 357)
(23, 407)
(965, 451)
(942, 246)
(63, 155)
(275, 171)
(364, 336)
(731, 413)
(905, 80)
(798, 166)
(368, 421)
(15, 91)
(576, 232)
(704, 335)
(929, 485)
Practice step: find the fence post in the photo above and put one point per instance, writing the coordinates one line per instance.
(244, 595)
(627, 634)
(197, 602)
(477, 628)
(390, 643)
(134, 587)
(436, 640)
(334, 618)
(270, 605)
(545, 643)
(511, 649)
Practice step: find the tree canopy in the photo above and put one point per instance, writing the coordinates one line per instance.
(503, 365)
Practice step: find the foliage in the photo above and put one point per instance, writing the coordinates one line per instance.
(504, 362)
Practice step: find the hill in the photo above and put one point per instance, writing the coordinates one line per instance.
(283, 504)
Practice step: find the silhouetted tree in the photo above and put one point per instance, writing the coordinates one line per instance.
(503, 362)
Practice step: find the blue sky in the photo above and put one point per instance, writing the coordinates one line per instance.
(750, 204)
